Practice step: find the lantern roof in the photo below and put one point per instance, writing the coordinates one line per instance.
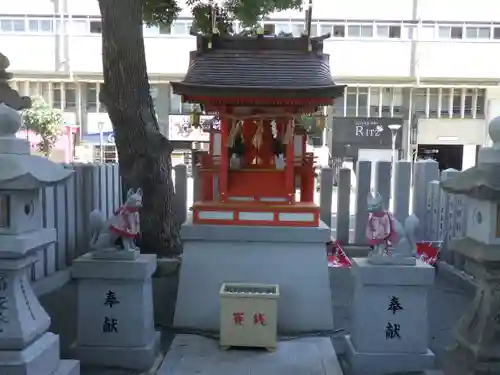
(18, 169)
(482, 181)
(279, 68)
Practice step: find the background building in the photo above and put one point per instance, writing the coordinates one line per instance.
(432, 63)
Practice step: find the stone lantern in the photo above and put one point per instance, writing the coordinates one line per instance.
(26, 348)
(477, 349)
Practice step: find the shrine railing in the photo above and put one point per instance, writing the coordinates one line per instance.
(442, 216)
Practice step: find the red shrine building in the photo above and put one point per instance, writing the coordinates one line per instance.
(259, 87)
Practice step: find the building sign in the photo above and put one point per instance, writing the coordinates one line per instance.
(180, 129)
(107, 138)
(366, 132)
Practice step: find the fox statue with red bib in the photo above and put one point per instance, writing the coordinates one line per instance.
(123, 225)
(387, 237)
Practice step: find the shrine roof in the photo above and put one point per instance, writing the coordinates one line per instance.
(259, 67)
(481, 182)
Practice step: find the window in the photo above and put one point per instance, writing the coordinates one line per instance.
(56, 96)
(480, 103)
(450, 32)
(13, 25)
(282, 28)
(389, 31)
(477, 32)
(456, 32)
(360, 31)
(445, 102)
(397, 101)
(95, 27)
(426, 32)
(269, 28)
(150, 30)
(433, 102)
(298, 28)
(496, 33)
(375, 93)
(69, 96)
(175, 104)
(468, 102)
(40, 26)
(4, 211)
(91, 96)
(387, 93)
(325, 29)
(78, 27)
(180, 28)
(165, 29)
(419, 101)
(35, 89)
(383, 31)
(410, 32)
(351, 101)
(339, 31)
(363, 102)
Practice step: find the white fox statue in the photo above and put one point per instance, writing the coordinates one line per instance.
(124, 225)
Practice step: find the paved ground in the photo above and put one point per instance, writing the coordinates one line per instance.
(447, 301)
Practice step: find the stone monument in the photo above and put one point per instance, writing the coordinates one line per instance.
(478, 332)
(115, 297)
(390, 327)
(26, 348)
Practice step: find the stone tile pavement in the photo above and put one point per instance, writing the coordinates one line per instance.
(447, 301)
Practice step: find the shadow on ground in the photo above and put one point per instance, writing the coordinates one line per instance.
(447, 302)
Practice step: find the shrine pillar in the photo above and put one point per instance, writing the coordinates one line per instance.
(225, 125)
(290, 159)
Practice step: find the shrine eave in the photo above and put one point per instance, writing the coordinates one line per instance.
(236, 93)
(480, 182)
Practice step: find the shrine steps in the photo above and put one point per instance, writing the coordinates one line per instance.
(278, 214)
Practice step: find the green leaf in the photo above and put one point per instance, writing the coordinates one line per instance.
(45, 121)
(248, 12)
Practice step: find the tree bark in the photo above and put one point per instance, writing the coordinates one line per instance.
(144, 154)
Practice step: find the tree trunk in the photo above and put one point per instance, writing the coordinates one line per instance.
(144, 154)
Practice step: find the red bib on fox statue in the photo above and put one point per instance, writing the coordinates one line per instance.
(380, 227)
(125, 222)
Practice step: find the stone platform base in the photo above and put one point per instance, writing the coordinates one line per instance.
(386, 363)
(39, 358)
(191, 354)
(293, 258)
(68, 367)
(115, 254)
(135, 358)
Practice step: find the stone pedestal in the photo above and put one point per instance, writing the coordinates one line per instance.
(293, 258)
(390, 325)
(115, 312)
(26, 348)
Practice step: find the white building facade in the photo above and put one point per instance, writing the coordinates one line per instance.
(434, 63)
